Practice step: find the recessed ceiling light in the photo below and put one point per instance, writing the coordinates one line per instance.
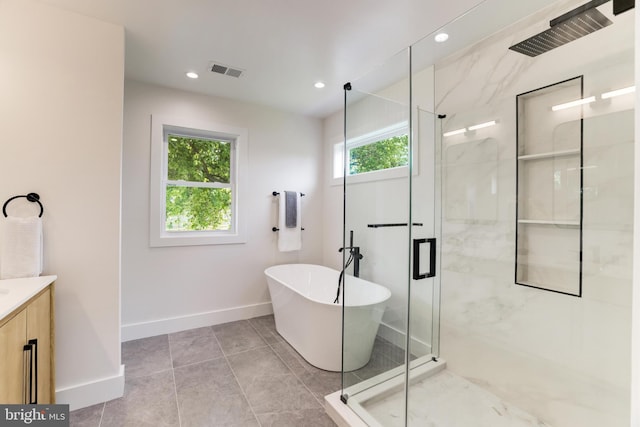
(319, 85)
(441, 37)
(192, 75)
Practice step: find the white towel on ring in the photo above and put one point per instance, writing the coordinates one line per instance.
(21, 254)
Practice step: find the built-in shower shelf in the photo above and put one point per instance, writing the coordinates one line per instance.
(533, 284)
(545, 222)
(549, 189)
(550, 154)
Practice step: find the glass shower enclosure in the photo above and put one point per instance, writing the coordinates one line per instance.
(488, 186)
(389, 161)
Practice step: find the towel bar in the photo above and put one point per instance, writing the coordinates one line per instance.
(396, 224)
(275, 193)
(274, 229)
(32, 197)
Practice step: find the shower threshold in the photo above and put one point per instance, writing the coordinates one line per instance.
(388, 385)
(437, 397)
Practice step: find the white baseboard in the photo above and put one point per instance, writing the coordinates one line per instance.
(398, 338)
(135, 331)
(92, 393)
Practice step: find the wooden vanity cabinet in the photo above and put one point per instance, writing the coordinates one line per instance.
(26, 352)
(12, 340)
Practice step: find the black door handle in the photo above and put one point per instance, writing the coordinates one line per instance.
(416, 258)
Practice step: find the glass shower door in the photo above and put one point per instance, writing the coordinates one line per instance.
(424, 289)
(389, 242)
(424, 285)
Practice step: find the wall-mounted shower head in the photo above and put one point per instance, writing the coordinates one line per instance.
(566, 28)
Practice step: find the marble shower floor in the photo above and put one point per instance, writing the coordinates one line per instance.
(447, 400)
(236, 374)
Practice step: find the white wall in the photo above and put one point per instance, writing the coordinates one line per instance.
(173, 288)
(333, 130)
(386, 250)
(61, 85)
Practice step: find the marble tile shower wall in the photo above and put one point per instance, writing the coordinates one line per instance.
(564, 359)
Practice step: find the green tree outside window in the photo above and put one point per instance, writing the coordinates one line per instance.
(384, 154)
(198, 190)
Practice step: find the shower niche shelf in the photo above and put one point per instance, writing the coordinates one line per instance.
(572, 152)
(549, 189)
(546, 222)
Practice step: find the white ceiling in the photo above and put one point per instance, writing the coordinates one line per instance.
(284, 46)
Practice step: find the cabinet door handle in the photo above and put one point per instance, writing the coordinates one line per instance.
(27, 365)
(34, 364)
(416, 258)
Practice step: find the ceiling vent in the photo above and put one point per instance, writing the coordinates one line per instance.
(218, 68)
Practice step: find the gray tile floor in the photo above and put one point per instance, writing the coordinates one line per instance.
(236, 374)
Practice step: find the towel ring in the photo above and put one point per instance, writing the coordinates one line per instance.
(32, 197)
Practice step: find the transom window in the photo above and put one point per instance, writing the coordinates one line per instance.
(381, 154)
(378, 155)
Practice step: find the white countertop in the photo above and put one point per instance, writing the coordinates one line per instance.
(15, 292)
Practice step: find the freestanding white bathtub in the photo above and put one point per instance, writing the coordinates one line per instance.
(302, 296)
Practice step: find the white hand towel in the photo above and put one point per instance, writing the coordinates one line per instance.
(289, 239)
(21, 247)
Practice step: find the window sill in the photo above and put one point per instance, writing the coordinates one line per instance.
(381, 175)
(196, 239)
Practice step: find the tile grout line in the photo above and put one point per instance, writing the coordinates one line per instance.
(386, 357)
(198, 362)
(175, 387)
(235, 376)
(151, 373)
(104, 405)
(288, 367)
(269, 340)
(297, 377)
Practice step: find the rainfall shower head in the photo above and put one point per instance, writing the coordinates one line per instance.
(574, 24)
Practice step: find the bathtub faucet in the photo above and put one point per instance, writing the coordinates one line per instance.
(354, 256)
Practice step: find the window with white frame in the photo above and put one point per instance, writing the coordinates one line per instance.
(196, 185)
(381, 154)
